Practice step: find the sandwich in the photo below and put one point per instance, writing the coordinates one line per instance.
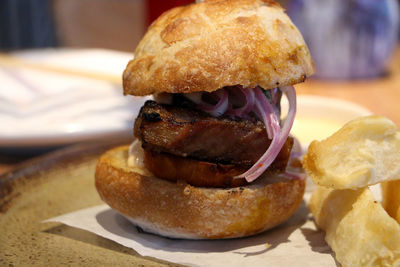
(211, 153)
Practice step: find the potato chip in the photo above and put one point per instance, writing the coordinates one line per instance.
(363, 152)
(358, 229)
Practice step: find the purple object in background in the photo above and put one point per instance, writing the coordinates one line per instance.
(347, 38)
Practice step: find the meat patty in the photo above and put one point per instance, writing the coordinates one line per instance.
(194, 172)
(190, 133)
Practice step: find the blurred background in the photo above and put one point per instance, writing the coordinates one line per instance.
(120, 24)
(61, 63)
(348, 39)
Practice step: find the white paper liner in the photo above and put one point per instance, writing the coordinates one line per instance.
(297, 242)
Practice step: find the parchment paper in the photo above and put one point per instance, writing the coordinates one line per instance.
(294, 243)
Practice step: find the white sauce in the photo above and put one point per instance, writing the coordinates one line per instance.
(136, 158)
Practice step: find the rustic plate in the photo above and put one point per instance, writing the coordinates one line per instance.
(46, 187)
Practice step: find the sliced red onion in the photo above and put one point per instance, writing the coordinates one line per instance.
(269, 118)
(288, 122)
(265, 107)
(279, 137)
(249, 105)
(218, 109)
(257, 102)
(276, 94)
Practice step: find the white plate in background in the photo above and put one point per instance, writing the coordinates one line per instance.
(318, 117)
(43, 108)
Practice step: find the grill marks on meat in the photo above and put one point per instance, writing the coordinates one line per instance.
(189, 133)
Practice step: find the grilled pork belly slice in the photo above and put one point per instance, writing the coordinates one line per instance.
(190, 133)
(194, 172)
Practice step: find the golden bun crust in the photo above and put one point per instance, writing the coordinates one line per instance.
(179, 210)
(206, 46)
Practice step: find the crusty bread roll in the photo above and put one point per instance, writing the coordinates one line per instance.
(179, 210)
(357, 228)
(206, 46)
(363, 152)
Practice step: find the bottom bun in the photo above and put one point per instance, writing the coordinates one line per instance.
(179, 210)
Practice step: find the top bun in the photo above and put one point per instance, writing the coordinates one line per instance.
(217, 43)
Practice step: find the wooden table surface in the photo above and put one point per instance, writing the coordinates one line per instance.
(380, 95)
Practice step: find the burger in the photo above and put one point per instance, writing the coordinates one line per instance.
(211, 152)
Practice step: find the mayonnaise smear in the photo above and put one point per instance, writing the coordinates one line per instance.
(136, 158)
